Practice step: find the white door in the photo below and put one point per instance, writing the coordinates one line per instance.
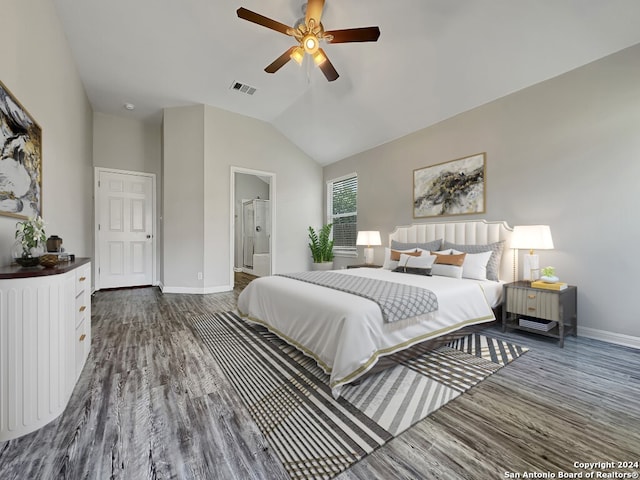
(125, 229)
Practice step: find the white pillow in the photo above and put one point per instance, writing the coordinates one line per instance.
(423, 261)
(475, 265)
(440, 252)
(392, 264)
(443, 270)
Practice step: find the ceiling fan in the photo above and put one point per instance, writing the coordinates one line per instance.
(309, 34)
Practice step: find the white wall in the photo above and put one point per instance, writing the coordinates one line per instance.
(565, 153)
(201, 144)
(37, 67)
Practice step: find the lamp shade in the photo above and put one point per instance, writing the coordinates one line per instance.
(368, 238)
(532, 237)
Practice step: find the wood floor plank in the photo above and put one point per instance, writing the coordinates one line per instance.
(151, 403)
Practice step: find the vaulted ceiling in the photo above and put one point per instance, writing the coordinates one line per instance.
(434, 59)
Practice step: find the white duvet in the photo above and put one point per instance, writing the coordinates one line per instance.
(345, 333)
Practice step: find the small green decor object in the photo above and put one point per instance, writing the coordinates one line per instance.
(321, 246)
(549, 275)
(30, 236)
(548, 271)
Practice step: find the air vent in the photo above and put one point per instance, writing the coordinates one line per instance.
(243, 88)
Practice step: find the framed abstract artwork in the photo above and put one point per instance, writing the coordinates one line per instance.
(20, 159)
(456, 187)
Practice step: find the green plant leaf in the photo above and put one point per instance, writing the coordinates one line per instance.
(548, 271)
(321, 245)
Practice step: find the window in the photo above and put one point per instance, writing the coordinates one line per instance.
(342, 211)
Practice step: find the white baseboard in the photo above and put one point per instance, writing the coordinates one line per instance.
(197, 290)
(611, 337)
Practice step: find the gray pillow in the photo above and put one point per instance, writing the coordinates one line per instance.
(432, 245)
(493, 266)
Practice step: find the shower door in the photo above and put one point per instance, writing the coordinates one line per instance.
(248, 229)
(256, 226)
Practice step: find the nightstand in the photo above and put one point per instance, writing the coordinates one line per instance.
(535, 306)
(364, 265)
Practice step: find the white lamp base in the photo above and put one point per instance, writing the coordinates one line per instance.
(368, 255)
(531, 267)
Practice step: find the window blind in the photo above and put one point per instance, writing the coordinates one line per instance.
(342, 195)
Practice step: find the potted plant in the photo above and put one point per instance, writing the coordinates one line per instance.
(321, 247)
(30, 237)
(549, 275)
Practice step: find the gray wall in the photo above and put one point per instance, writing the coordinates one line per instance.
(565, 153)
(128, 144)
(183, 197)
(37, 67)
(201, 144)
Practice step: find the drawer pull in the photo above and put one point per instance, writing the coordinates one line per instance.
(532, 309)
(82, 337)
(83, 308)
(82, 279)
(531, 296)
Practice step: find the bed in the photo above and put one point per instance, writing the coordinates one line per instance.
(347, 334)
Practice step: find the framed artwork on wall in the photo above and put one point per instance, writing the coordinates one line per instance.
(456, 187)
(20, 159)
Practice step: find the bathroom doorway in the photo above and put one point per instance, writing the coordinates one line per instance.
(256, 234)
(252, 222)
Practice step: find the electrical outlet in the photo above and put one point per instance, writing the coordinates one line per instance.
(199, 275)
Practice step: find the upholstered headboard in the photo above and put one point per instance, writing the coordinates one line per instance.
(472, 232)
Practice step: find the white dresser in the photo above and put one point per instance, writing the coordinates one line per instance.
(45, 337)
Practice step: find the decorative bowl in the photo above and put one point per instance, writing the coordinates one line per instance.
(48, 260)
(549, 278)
(27, 261)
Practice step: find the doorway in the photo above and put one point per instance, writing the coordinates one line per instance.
(252, 222)
(125, 228)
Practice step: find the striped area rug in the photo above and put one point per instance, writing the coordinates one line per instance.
(316, 436)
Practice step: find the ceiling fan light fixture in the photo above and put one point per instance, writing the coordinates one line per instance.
(308, 32)
(319, 58)
(298, 55)
(311, 44)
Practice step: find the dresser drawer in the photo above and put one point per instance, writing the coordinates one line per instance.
(83, 279)
(534, 303)
(82, 309)
(82, 345)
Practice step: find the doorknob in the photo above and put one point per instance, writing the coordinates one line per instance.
(148, 236)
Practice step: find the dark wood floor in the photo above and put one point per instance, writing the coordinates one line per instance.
(152, 404)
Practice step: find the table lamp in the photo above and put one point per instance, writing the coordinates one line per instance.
(531, 237)
(368, 238)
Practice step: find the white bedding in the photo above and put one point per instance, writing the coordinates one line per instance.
(345, 333)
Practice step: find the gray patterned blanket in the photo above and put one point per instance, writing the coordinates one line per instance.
(396, 300)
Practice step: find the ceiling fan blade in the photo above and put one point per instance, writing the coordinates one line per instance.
(364, 34)
(279, 62)
(314, 10)
(262, 20)
(327, 68)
